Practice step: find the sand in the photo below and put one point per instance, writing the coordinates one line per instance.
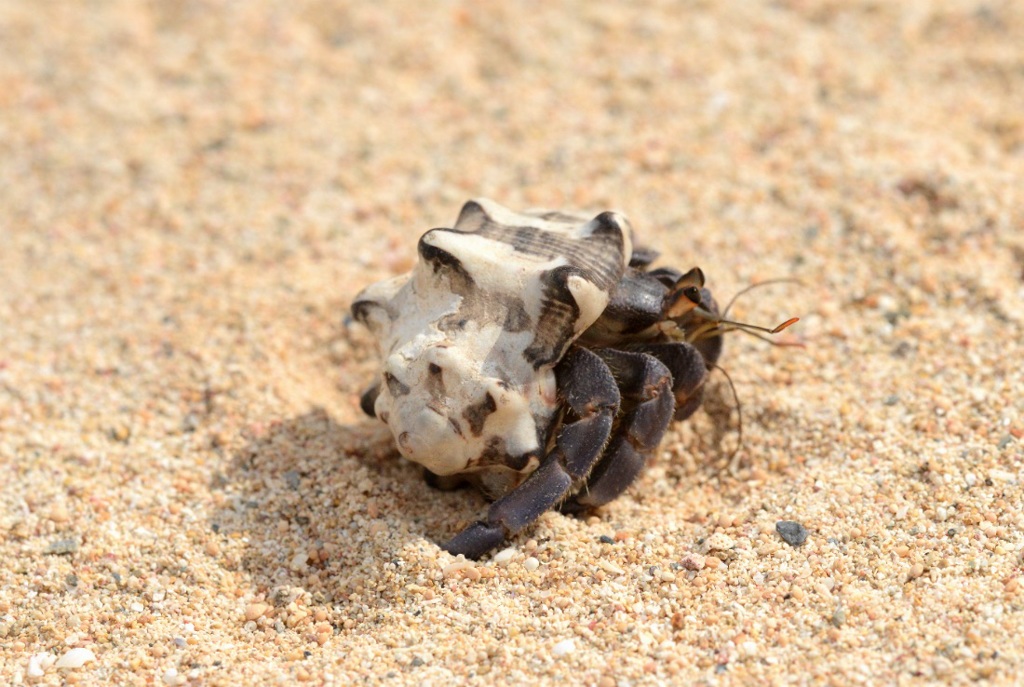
(191, 193)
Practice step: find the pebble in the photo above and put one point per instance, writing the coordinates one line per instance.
(693, 561)
(298, 562)
(75, 658)
(38, 664)
(720, 541)
(531, 564)
(62, 547)
(563, 648)
(171, 677)
(456, 568)
(255, 610)
(792, 532)
(504, 557)
(59, 513)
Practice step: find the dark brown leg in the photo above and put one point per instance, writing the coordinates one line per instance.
(689, 372)
(645, 384)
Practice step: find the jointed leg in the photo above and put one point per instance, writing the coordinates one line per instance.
(645, 384)
(689, 370)
(592, 398)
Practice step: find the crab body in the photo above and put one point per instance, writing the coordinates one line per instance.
(536, 356)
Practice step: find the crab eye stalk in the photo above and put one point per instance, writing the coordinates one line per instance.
(682, 301)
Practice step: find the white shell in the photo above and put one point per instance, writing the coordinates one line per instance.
(470, 337)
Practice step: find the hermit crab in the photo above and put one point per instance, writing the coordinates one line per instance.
(537, 356)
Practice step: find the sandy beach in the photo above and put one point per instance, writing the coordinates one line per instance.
(191, 193)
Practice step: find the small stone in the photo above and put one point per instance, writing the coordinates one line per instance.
(59, 513)
(605, 539)
(38, 664)
(75, 658)
(456, 569)
(531, 564)
(62, 547)
(171, 677)
(298, 562)
(792, 532)
(839, 617)
(693, 561)
(504, 556)
(563, 648)
(255, 610)
(719, 541)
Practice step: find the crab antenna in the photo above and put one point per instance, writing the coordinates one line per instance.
(767, 282)
(785, 344)
(743, 326)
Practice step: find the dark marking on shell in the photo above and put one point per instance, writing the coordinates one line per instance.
(453, 322)
(557, 216)
(471, 217)
(445, 264)
(476, 415)
(455, 425)
(597, 256)
(558, 316)
(642, 257)
(395, 386)
(435, 381)
(496, 453)
(516, 319)
(361, 312)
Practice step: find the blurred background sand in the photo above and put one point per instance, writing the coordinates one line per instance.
(192, 192)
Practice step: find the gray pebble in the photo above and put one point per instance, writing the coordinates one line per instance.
(62, 547)
(792, 532)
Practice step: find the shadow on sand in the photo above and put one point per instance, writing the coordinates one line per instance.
(322, 507)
